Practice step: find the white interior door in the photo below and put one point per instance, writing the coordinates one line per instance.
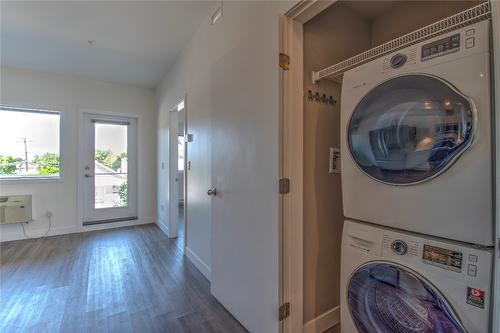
(173, 174)
(109, 168)
(245, 207)
(496, 51)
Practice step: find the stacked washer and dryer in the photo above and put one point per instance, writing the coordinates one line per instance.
(417, 188)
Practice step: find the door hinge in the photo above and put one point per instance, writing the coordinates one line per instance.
(284, 185)
(284, 311)
(284, 61)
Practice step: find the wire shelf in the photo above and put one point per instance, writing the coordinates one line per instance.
(467, 17)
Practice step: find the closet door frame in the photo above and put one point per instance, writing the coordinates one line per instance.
(292, 161)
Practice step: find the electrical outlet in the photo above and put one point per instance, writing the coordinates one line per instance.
(48, 214)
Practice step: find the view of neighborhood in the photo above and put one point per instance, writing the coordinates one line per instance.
(110, 179)
(110, 173)
(30, 142)
(110, 165)
(31, 148)
(46, 164)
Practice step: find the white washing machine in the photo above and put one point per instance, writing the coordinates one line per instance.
(416, 138)
(398, 282)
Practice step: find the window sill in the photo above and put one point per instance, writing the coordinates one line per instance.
(29, 180)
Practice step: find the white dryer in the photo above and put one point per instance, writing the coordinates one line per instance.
(394, 282)
(416, 138)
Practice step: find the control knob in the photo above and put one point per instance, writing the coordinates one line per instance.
(399, 247)
(398, 60)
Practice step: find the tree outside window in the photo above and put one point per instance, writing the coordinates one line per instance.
(30, 142)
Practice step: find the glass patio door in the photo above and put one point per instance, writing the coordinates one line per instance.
(109, 175)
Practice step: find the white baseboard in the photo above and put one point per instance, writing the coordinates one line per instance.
(200, 264)
(6, 236)
(323, 322)
(163, 227)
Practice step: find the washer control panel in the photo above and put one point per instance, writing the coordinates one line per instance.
(443, 258)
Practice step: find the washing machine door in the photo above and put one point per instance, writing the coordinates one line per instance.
(388, 298)
(410, 129)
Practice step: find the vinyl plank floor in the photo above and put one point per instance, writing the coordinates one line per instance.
(119, 280)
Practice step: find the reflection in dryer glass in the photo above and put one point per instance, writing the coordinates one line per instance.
(409, 129)
(385, 298)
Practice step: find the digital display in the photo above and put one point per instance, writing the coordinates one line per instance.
(441, 47)
(444, 258)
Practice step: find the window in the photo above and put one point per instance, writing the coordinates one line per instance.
(30, 143)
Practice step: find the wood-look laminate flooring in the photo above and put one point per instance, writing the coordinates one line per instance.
(119, 280)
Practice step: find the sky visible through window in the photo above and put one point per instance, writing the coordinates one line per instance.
(111, 137)
(31, 134)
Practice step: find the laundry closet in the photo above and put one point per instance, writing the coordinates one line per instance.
(341, 31)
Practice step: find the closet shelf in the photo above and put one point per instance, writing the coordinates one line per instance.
(467, 17)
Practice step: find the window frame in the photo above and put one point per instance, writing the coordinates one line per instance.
(39, 178)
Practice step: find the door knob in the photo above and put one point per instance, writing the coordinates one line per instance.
(212, 191)
(88, 175)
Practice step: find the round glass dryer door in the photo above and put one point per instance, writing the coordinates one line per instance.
(387, 298)
(410, 129)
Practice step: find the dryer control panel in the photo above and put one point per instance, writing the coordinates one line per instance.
(441, 47)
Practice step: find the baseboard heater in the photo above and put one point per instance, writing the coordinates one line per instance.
(121, 219)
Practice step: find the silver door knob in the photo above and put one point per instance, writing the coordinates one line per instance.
(212, 191)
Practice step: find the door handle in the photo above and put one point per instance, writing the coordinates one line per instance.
(88, 175)
(212, 191)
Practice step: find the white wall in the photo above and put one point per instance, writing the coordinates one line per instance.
(71, 94)
(396, 21)
(191, 75)
(245, 25)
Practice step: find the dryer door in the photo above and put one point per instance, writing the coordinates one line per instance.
(385, 297)
(410, 129)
